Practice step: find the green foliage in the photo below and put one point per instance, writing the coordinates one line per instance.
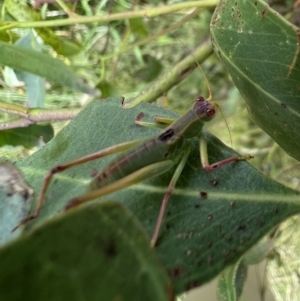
(30, 136)
(108, 259)
(231, 282)
(210, 232)
(200, 238)
(251, 39)
(138, 26)
(21, 11)
(24, 59)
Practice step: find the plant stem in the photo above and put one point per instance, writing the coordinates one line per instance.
(147, 13)
(30, 116)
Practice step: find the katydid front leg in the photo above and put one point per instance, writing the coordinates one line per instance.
(213, 166)
(160, 122)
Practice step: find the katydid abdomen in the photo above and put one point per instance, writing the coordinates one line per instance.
(152, 151)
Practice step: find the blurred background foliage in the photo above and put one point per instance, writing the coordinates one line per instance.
(122, 58)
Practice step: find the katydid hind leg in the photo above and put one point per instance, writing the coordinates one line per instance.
(62, 167)
(140, 175)
(164, 203)
(213, 166)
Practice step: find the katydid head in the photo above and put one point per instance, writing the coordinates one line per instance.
(206, 105)
(203, 109)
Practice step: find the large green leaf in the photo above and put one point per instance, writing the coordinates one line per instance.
(212, 218)
(98, 253)
(261, 51)
(41, 64)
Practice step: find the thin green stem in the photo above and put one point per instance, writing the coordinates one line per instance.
(30, 116)
(13, 109)
(148, 13)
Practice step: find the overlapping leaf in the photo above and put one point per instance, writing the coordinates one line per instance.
(261, 51)
(43, 65)
(99, 253)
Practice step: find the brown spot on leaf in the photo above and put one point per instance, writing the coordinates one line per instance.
(214, 182)
(176, 272)
(203, 195)
(241, 227)
(139, 116)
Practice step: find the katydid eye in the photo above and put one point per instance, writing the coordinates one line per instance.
(210, 112)
(200, 98)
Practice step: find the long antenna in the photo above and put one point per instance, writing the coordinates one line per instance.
(206, 80)
(209, 90)
(216, 105)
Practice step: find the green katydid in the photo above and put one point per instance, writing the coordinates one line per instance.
(143, 159)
